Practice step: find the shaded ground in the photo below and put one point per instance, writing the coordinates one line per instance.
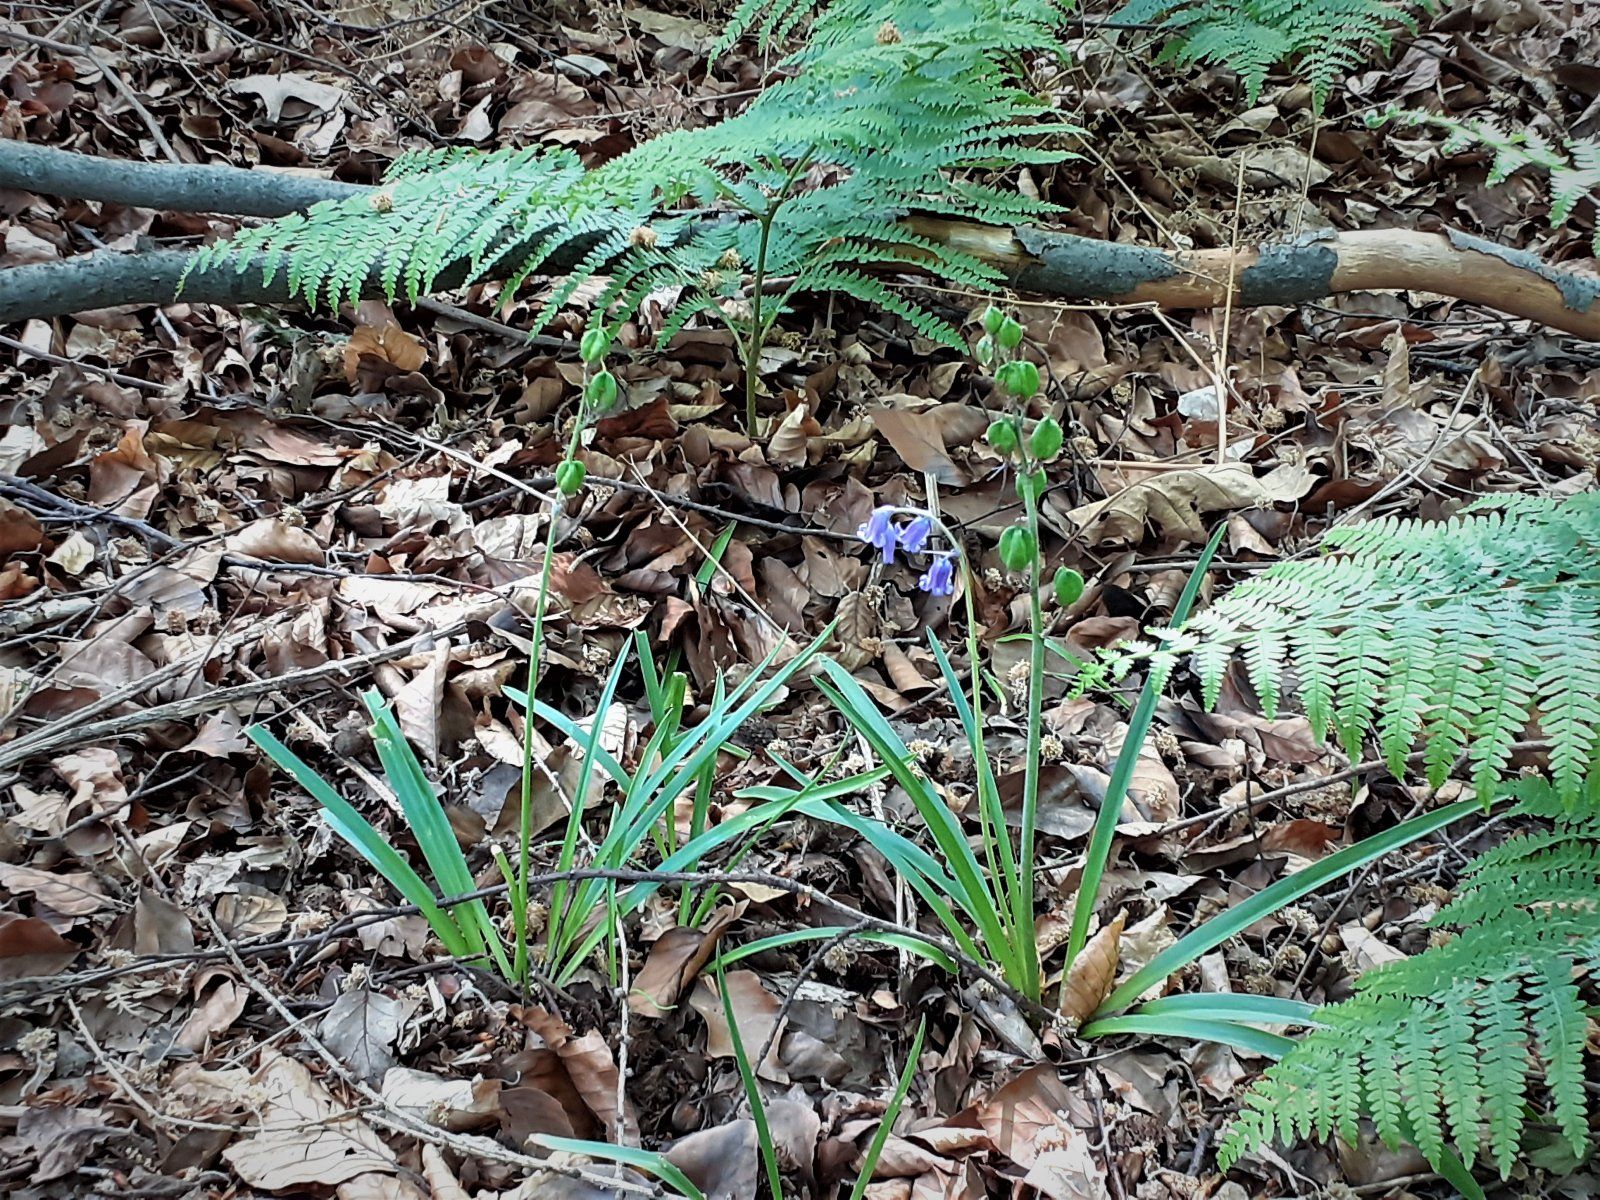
(216, 518)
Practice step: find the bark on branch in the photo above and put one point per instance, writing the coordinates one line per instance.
(236, 191)
(1036, 260)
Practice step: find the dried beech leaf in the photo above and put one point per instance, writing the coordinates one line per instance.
(857, 631)
(918, 438)
(675, 959)
(1089, 980)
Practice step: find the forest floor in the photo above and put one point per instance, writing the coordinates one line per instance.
(178, 944)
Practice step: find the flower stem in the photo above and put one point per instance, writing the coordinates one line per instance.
(1035, 730)
(518, 891)
(758, 333)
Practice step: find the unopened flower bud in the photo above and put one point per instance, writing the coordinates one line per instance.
(1017, 548)
(1068, 586)
(594, 346)
(1046, 441)
(1002, 436)
(1019, 377)
(601, 392)
(570, 476)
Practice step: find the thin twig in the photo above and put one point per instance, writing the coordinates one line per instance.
(143, 385)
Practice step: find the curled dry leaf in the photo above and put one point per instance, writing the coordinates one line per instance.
(387, 342)
(1173, 501)
(437, 1175)
(754, 1009)
(918, 438)
(71, 893)
(362, 1027)
(723, 1161)
(587, 1069)
(1069, 1172)
(28, 946)
(453, 1104)
(1089, 979)
(675, 959)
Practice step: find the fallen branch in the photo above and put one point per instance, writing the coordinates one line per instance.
(1037, 261)
(236, 191)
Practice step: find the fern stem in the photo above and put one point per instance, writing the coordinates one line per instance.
(758, 333)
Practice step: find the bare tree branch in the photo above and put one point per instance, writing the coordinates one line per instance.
(1037, 261)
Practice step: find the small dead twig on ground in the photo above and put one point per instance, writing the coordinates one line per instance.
(806, 971)
(79, 729)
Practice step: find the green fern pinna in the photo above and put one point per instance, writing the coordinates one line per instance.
(1465, 636)
(1440, 1048)
(1461, 636)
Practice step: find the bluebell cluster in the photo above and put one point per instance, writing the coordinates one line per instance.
(884, 533)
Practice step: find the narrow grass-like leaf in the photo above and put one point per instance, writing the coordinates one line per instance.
(1232, 1006)
(430, 824)
(648, 1161)
(869, 1161)
(969, 889)
(752, 1091)
(1285, 891)
(1241, 1037)
(358, 832)
(1105, 823)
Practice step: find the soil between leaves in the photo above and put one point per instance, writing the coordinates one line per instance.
(259, 513)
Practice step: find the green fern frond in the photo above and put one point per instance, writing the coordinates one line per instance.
(886, 111)
(1329, 38)
(1466, 635)
(1446, 1042)
(1573, 168)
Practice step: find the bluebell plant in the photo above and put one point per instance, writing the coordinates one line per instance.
(1004, 916)
(884, 533)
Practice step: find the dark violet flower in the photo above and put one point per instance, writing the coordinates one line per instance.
(879, 531)
(914, 537)
(940, 577)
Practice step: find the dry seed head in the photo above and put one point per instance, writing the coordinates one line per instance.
(1051, 748)
(357, 978)
(643, 238)
(838, 957)
(730, 260)
(538, 916)
(1289, 958)
(382, 202)
(36, 1043)
(922, 749)
(888, 34)
(1428, 893)
(711, 281)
